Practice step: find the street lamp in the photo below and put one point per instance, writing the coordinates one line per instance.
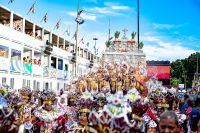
(138, 27)
(95, 39)
(197, 62)
(79, 21)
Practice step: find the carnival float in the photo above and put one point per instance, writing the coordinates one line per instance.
(114, 97)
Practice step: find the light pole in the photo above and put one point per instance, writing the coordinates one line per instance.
(196, 75)
(197, 62)
(138, 27)
(79, 21)
(185, 76)
(95, 39)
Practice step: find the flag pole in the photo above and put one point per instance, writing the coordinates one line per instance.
(31, 7)
(76, 37)
(58, 23)
(138, 27)
(109, 31)
(44, 16)
(81, 39)
(10, 1)
(197, 63)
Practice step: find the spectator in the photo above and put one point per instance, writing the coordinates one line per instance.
(183, 111)
(35, 61)
(30, 61)
(24, 59)
(39, 62)
(197, 103)
(194, 116)
(168, 122)
(185, 105)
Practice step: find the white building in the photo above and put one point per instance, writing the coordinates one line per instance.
(23, 62)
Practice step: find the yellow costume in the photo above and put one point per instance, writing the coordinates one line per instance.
(82, 86)
(119, 86)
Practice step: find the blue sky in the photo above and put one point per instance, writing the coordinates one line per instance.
(170, 29)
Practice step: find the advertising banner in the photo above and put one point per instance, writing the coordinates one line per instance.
(160, 72)
(52, 73)
(27, 68)
(46, 71)
(4, 51)
(66, 75)
(15, 66)
(60, 74)
(4, 63)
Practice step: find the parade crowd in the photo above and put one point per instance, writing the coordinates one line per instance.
(112, 98)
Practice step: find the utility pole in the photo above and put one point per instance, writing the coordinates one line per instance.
(138, 27)
(109, 31)
(76, 37)
(184, 76)
(197, 63)
(95, 45)
(185, 80)
(196, 75)
(79, 21)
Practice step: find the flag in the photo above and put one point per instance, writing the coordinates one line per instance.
(57, 24)
(88, 44)
(95, 49)
(32, 9)
(10, 1)
(67, 31)
(45, 18)
(74, 36)
(81, 41)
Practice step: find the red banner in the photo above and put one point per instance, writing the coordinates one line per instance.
(160, 72)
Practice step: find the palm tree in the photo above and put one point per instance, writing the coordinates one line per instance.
(117, 33)
(108, 44)
(133, 35)
(141, 44)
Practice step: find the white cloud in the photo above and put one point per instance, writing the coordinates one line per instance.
(193, 39)
(84, 16)
(110, 4)
(110, 8)
(150, 38)
(94, 1)
(89, 17)
(120, 7)
(166, 26)
(116, 6)
(104, 10)
(164, 50)
(73, 14)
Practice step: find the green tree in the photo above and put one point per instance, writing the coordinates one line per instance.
(108, 44)
(175, 81)
(185, 68)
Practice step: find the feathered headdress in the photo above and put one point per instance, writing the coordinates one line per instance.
(85, 103)
(48, 97)
(25, 92)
